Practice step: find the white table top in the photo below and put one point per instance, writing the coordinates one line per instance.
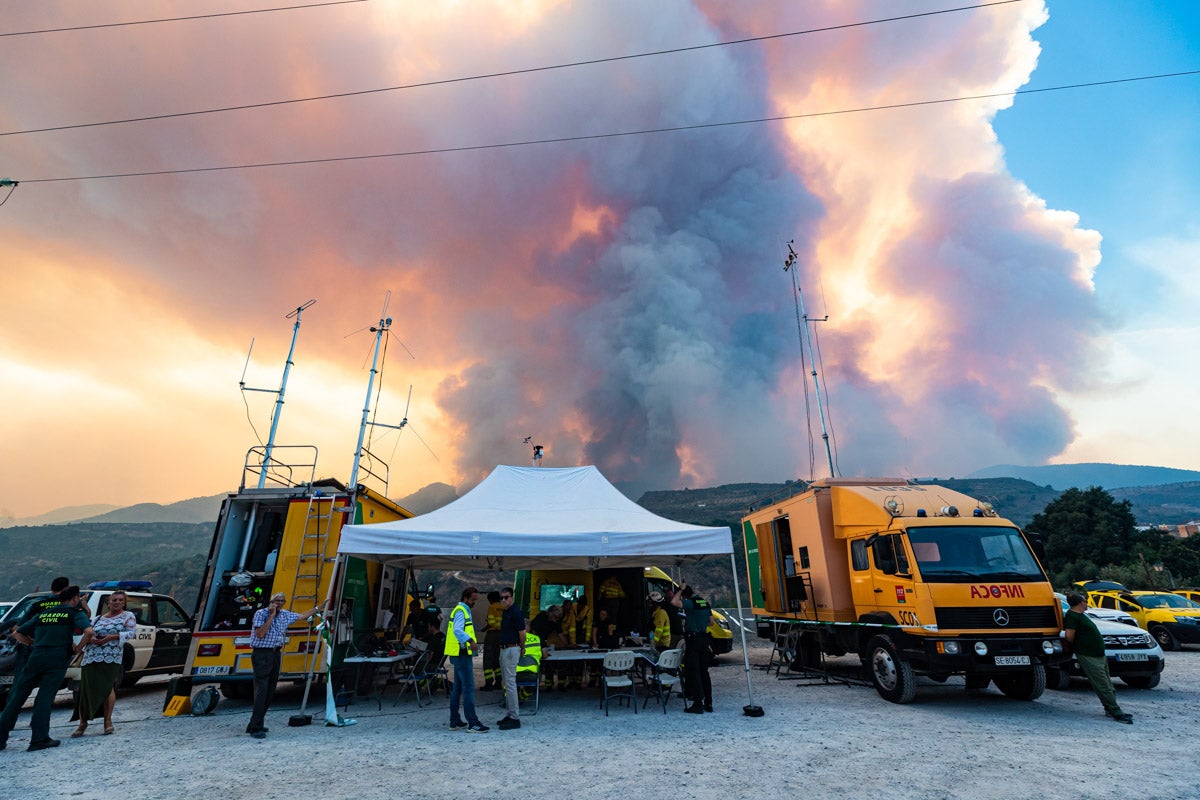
(403, 655)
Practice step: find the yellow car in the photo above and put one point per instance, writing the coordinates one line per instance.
(1170, 618)
(1190, 594)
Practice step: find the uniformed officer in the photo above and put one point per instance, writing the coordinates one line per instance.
(50, 636)
(697, 652)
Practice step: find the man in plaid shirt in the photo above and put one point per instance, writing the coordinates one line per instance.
(266, 643)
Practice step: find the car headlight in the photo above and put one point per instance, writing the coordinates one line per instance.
(1050, 646)
(981, 649)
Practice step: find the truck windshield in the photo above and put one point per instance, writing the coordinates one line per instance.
(966, 553)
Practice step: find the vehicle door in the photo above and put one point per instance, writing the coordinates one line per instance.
(172, 635)
(892, 582)
(137, 650)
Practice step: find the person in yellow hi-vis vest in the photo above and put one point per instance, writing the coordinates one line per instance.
(460, 647)
(611, 595)
(491, 644)
(571, 674)
(583, 633)
(661, 622)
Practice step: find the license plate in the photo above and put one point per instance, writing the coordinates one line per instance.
(210, 671)
(5, 679)
(1132, 657)
(1012, 661)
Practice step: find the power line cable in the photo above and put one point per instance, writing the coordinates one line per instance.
(178, 19)
(505, 74)
(610, 135)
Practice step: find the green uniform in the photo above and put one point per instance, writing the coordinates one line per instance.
(1088, 647)
(52, 630)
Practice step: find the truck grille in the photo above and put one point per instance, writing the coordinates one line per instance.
(1133, 641)
(975, 618)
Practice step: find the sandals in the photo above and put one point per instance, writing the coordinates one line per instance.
(109, 729)
(75, 734)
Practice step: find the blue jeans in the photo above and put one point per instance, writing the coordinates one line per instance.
(464, 689)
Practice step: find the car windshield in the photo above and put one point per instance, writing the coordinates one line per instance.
(1165, 601)
(966, 553)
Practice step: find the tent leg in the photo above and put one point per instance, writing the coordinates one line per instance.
(750, 710)
(304, 718)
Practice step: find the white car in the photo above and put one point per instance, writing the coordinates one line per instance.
(1133, 654)
(164, 632)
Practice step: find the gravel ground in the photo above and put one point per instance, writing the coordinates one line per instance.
(814, 741)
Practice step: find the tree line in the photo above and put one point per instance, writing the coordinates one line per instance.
(1088, 534)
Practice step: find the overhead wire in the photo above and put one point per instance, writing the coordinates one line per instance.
(509, 73)
(611, 134)
(179, 19)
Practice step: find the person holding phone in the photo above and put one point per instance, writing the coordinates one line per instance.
(266, 654)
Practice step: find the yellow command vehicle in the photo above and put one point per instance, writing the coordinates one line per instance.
(536, 590)
(284, 538)
(915, 579)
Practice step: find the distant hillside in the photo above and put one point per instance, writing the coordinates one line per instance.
(90, 551)
(1172, 504)
(197, 509)
(1106, 476)
(57, 516)
(429, 498)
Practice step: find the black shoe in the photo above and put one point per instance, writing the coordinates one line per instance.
(44, 745)
(478, 727)
(261, 733)
(252, 730)
(457, 726)
(1125, 718)
(708, 707)
(694, 709)
(508, 724)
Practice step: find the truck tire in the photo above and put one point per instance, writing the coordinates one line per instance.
(892, 675)
(1166, 639)
(1058, 679)
(1142, 681)
(1023, 686)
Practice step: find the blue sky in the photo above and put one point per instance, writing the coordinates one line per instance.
(1126, 158)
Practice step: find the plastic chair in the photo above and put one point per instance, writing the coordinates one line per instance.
(617, 673)
(529, 678)
(662, 678)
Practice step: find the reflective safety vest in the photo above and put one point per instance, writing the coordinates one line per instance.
(583, 624)
(495, 612)
(611, 589)
(533, 649)
(452, 646)
(662, 628)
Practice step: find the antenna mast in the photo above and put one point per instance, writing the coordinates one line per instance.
(287, 368)
(802, 327)
(385, 323)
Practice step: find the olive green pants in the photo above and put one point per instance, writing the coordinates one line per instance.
(1095, 669)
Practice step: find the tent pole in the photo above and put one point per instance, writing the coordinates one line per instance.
(338, 572)
(750, 710)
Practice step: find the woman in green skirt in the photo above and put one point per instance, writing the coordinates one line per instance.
(101, 665)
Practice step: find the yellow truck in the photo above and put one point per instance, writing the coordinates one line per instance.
(917, 579)
(284, 538)
(536, 590)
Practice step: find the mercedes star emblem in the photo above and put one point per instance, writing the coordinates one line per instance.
(1000, 617)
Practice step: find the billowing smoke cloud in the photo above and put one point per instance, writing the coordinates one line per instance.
(621, 300)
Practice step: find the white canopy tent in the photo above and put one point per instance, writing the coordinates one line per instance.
(541, 518)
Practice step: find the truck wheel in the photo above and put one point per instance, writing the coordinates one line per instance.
(1058, 679)
(892, 675)
(1166, 639)
(1024, 686)
(1142, 681)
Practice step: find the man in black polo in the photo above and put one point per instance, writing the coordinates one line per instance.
(697, 649)
(512, 644)
(50, 637)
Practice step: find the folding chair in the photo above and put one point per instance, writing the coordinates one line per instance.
(414, 678)
(662, 678)
(617, 673)
(529, 678)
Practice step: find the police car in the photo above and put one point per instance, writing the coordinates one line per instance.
(164, 632)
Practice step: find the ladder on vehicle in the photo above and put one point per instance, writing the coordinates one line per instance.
(311, 560)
